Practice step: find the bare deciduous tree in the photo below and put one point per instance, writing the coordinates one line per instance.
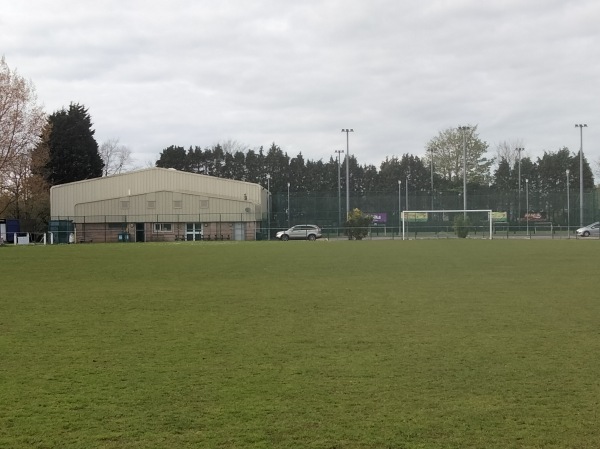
(116, 157)
(231, 146)
(25, 192)
(508, 151)
(21, 119)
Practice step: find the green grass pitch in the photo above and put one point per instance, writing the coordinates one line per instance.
(372, 344)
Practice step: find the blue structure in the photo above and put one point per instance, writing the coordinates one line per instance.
(8, 228)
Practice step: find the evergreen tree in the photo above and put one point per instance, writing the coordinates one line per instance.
(298, 176)
(502, 176)
(173, 157)
(196, 162)
(503, 185)
(390, 172)
(277, 166)
(73, 151)
(371, 178)
(254, 164)
(239, 166)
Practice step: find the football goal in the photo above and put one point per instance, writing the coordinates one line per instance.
(436, 223)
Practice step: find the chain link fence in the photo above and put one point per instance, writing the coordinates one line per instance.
(529, 214)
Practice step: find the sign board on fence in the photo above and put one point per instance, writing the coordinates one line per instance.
(534, 216)
(499, 217)
(419, 217)
(379, 217)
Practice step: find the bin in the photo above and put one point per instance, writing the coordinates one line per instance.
(123, 237)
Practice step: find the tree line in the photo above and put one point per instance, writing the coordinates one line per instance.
(441, 170)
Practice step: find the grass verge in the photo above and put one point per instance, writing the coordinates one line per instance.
(381, 344)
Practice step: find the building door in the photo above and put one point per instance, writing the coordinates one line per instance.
(139, 232)
(193, 232)
(239, 231)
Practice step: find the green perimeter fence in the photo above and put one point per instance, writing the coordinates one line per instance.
(528, 214)
(327, 210)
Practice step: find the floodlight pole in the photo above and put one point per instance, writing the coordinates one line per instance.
(339, 153)
(432, 192)
(581, 126)
(399, 203)
(347, 131)
(519, 151)
(568, 207)
(269, 206)
(288, 211)
(527, 204)
(464, 130)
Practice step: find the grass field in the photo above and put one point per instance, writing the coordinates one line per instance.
(373, 344)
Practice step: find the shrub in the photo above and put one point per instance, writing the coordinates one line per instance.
(357, 225)
(461, 226)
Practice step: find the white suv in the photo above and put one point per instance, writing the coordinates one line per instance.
(300, 232)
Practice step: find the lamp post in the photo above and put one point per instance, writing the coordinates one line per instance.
(407, 193)
(432, 178)
(519, 151)
(269, 206)
(527, 204)
(288, 211)
(347, 131)
(568, 207)
(581, 126)
(464, 130)
(339, 153)
(399, 205)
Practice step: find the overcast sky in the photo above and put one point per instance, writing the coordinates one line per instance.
(197, 72)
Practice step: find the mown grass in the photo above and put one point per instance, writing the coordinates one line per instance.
(374, 344)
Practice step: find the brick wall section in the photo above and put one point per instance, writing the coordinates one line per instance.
(109, 233)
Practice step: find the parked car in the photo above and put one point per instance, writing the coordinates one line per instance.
(588, 230)
(300, 232)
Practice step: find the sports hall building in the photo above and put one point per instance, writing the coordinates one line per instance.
(157, 204)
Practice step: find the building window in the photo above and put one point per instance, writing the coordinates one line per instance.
(163, 227)
(124, 204)
(177, 204)
(117, 226)
(203, 204)
(151, 204)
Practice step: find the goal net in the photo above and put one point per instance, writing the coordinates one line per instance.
(476, 223)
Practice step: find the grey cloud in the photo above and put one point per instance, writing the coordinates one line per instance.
(197, 72)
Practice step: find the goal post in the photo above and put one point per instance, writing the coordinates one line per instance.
(423, 216)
